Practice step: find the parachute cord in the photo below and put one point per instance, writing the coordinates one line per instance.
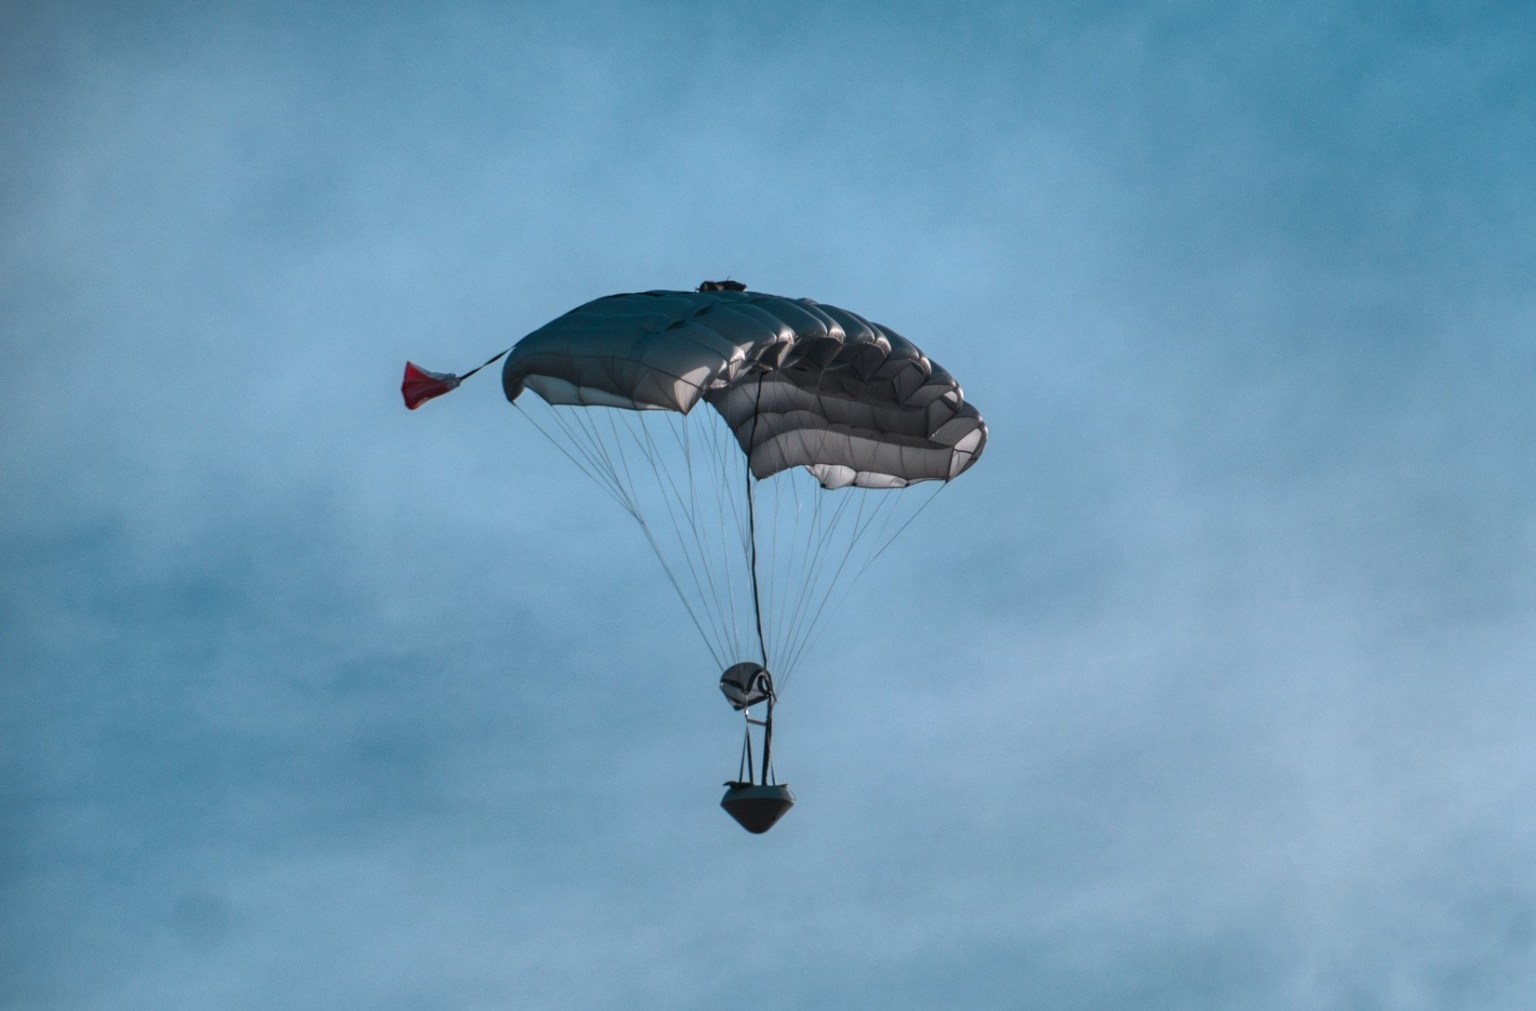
(768, 744)
(482, 365)
(745, 772)
(757, 606)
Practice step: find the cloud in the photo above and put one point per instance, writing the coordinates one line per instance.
(1212, 682)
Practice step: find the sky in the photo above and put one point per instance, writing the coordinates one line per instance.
(1209, 686)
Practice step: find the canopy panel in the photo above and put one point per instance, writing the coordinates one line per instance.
(799, 383)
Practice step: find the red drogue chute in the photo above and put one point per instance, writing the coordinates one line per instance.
(420, 386)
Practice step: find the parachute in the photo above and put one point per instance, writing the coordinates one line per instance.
(800, 384)
(770, 449)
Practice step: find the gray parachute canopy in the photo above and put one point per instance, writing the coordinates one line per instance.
(800, 384)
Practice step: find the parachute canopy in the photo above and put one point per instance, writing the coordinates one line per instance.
(799, 383)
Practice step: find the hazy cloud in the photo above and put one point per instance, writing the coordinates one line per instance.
(1209, 686)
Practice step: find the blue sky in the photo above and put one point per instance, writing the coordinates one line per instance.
(1210, 686)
